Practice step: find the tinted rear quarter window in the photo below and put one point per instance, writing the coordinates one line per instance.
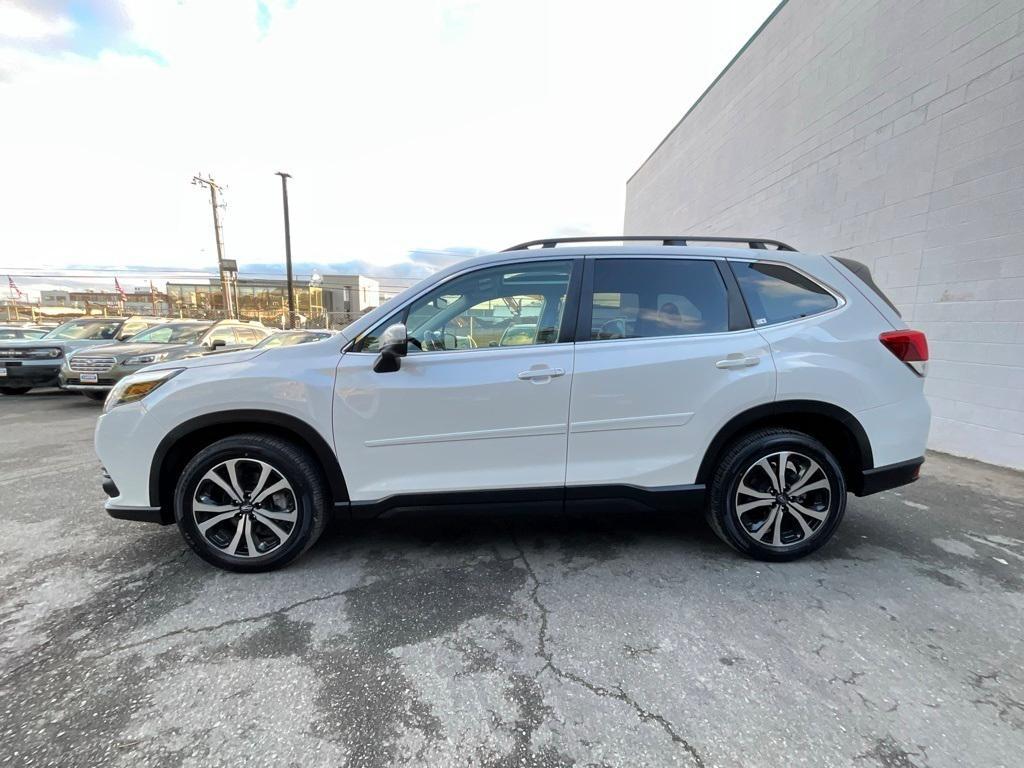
(638, 298)
(775, 293)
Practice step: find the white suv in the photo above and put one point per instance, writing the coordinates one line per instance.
(757, 384)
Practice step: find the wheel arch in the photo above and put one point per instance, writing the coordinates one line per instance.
(185, 440)
(836, 428)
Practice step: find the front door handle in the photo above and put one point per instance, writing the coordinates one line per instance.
(737, 362)
(541, 373)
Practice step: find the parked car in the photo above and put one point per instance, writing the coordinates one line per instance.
(94, 371)
(21, 332)
(28, 363)
(291, 338)
(758, 384)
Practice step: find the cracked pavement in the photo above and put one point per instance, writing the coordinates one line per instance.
(601, 639)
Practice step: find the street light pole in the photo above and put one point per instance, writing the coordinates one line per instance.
(288, 247)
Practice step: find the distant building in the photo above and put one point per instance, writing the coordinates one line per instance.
(351, 294)
(140, 302)
(333, 301)
(55, 298)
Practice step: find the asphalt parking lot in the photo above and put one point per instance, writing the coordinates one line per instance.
(608, 639)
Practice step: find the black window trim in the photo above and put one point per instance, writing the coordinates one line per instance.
(569, 313)
(738, 316)
(840, 299)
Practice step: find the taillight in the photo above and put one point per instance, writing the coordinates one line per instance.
(909, 346)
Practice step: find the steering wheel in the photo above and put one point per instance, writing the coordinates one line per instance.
(613, 329)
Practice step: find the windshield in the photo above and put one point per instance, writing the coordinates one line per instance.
(172, 333)
(85, 329)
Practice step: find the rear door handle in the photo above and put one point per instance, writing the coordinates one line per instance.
(737, 362)
(541, 373)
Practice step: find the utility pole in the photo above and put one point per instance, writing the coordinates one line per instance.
(288, 248)
(225, 281)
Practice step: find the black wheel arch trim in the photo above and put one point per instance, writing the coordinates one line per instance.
(251, 419)
(746, 420)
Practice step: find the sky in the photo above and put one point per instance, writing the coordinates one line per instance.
(415, 131)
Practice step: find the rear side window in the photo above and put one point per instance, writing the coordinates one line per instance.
(639, 298)
(775, 293)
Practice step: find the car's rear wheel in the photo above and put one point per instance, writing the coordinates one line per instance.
(14, 390)
(777, 495)
(251, 503)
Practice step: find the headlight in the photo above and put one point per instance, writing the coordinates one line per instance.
(133, 388)
(43, 353)
(154, 357)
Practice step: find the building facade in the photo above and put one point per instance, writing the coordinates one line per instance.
(889, 132)
(329, 301)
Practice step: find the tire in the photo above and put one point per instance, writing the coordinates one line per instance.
(298, 510)
(14, 390)
(756, 519)
(100, 396)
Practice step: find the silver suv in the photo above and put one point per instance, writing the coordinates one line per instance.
(95, 371)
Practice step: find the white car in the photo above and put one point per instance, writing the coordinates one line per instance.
(757, 384)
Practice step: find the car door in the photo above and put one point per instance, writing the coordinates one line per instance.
(664, 357)
(465, 412)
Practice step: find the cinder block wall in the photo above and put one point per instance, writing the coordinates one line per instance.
(891, 132)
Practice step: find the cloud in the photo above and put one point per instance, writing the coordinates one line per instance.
(20, 23)
(407, 126)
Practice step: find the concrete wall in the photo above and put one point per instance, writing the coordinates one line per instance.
(891, 132)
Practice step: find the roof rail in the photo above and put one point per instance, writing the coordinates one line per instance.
(757, 243)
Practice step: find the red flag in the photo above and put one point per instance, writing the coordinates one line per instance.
(15, 291)
(120, 290)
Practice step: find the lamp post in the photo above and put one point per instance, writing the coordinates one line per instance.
(288, 247)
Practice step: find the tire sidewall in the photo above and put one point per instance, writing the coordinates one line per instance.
(232, 448)
(725, 501)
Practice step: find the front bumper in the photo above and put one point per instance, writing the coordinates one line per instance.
(22, 373)
(86, 387)
(105, 381)
(140, 514)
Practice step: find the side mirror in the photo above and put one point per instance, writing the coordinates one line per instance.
(394, 345)
(218, 343)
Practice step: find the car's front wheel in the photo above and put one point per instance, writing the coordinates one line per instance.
(777, 494)
(251, 503)
(94, 395)
(14, 390)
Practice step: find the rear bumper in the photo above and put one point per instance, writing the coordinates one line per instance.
(890, 476)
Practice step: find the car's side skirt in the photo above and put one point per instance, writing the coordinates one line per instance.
(676, 498)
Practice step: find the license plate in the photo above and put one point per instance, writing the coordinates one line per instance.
(3, 372)
(89, 378)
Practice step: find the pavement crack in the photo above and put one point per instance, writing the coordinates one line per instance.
(232, 622)
(617, 692)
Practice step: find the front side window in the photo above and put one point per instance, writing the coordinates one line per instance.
(225, 334)
(775, 293)
(172, 333)
(505, 306)
(133, 327)
(639, 298)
